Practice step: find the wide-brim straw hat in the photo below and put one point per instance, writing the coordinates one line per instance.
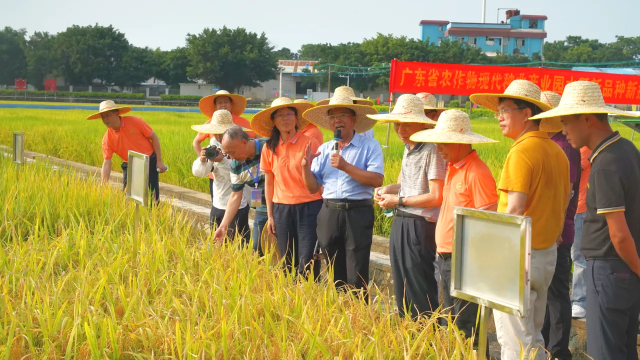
(518, 89)
(408, 109)
(262, 124)
(347, 91)
(319, 115)
(429, 102)
(453, 127)
(582, 97)
(208, 107)
(551, 125)
(221, 121)
(109, 105)
(302, 101)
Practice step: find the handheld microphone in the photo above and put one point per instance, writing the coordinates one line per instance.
(337, 136)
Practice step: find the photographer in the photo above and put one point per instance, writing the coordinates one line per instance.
(213, 161)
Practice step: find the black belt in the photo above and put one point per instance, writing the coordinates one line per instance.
(402, 213)
(345, 204)
(445, 256)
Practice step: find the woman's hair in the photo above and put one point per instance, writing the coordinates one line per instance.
(274, 140)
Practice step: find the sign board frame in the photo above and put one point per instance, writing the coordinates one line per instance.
(471, 220)
(18, 147)
(139, 195)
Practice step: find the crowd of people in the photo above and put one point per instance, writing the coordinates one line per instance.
(567, 170)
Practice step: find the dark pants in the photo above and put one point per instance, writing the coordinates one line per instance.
(296, 233)
(259, 221)
(211, 188)
(239, 225)
(557, 320)
(412, 252)
(154, 182)
(613, 305)
(345, 237)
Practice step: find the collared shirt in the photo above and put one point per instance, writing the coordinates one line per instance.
(133, 135)
(585, 154)
(469, 183)
(419, 165)
(569, 231)
(368, 134)
(244, 173)
(613, 186)
(288, 181)
(312, 130)
(361, 152)
(538, 167)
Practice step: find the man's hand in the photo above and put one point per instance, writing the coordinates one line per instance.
(220, 234)
(161, 166)
(559, 240)
(271, 225)
(378, 192)
(308, 156)
(388, 201)
(338, 162)
(203, 156)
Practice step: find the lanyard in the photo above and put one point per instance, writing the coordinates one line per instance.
(256, 178)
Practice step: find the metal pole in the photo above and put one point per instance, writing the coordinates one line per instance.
(482, 332)
(329, 84)
(347, 80)
(280, 91)
(484, 9)
(388, 127)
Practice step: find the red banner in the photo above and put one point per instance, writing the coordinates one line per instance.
(21, 84)
(456, 79)
(50, 85)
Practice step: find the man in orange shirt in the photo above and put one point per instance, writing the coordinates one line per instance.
(126, 133)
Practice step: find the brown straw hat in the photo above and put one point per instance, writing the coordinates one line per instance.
(582, 97)
(347, 91)
(109, 105)
(207, 104)
(319, 115)
(453, 127)
(302, 101)
(408, 109)
(552, 125)
(221, 121)
(429, 102)
(262, 124)
(518, 89)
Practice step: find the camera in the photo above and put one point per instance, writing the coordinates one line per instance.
(211, 152)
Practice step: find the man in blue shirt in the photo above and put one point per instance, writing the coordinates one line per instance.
(347, 176)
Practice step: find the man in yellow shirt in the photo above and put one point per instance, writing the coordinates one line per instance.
(534, 183)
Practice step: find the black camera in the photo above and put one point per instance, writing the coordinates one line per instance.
(211, 152)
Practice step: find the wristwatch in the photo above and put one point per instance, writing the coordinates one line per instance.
(400, 200)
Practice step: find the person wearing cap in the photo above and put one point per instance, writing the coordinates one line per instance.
(349, 169)
(468, 183)
(611, 233)
(535, 183)
(557, 322)
(309, 129)
(128, 133)
(219, 166)
(348, 91)
(430, 109)
(578, 287)
(416, 199)
(292, 211)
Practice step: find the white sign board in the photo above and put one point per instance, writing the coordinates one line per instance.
(18, 147)
(138, 178)
(491, 259)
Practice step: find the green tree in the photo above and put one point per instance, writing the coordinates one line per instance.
(13, 62)
(231, 58)
(172, 66)
(40, 60)
(286, 54)
(137, 65)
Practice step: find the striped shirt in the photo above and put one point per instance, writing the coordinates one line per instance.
(244, 173)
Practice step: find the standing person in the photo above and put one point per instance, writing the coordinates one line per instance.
(535, 183)
(348, 91)
(468, 183)
(430, 109)
(292, 211)
(220, 167)
(611, 235)
(349, 175)
(557, 322)
(416, 199)
(578, 289)
(126, 133)
(309, 129)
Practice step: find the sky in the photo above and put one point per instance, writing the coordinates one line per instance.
(164, 24)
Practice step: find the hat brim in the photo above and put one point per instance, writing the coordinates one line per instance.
(357, 101)
(402, 118)
(207, 106)
(491, 101)
(564, 111)
(214, 129)
(448, 137)
(261, 122)
(121, 110)
(318, 115)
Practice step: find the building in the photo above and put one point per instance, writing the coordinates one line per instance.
(519, 34)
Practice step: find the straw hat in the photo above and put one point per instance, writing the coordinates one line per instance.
(262, 124)
(518, 89)
(207, 104)
(552, 125)
(301, 101)
(319, 115)
(221, 121)
(347, 91)
(453, 127)
(429, 102)
(109, 105)
(582, 97)
(409, 109)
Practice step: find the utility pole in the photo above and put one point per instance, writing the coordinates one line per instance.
(484, 9)
(329, 84)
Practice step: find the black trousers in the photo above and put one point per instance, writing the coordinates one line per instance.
(557, 320)
(154, 182)
(296, 233)
(613, 305)
(412, 252)
(211, 188)
(345, 237)
(239, 225)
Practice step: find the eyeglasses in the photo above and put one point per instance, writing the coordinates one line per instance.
(500, 113)
(282, 116)
(342, 116)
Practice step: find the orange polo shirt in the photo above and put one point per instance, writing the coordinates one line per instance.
(469, 184)
(312, 130)
(285, 166)
(585, 153)
(133, 134)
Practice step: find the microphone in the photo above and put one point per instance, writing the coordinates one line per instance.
(337, 136)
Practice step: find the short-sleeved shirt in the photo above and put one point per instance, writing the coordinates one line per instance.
(312, 130)
(569, 231)
(288, 183)
(469, 183)
(364, 153)
(613, 186)
(538, 167)
(419, 165)
(244, 173)
(585, 153)
(133, 135)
